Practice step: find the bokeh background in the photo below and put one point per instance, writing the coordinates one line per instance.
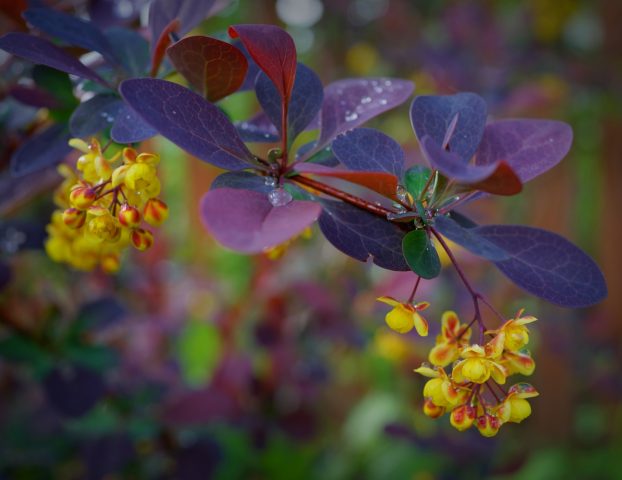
(195, 362)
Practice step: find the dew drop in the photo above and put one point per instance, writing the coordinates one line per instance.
(388, 83)
(378, 89)
(365, 100)
(382, 101)
(401, 193)
(271, 182)
(279, 197)
(351, 116)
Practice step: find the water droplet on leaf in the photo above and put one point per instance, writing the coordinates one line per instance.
(279, 197)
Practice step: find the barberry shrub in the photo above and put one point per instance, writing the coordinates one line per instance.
(269, 196)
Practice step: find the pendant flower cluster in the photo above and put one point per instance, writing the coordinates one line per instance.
(472, 392)
(102, 207)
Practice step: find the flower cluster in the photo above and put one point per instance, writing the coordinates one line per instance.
(472, 392)
(102, 207)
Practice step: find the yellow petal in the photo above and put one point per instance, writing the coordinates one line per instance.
(400, 319)
(443, 354)
(427, 371)
(389, 301)
(421, 325)
(498, 373)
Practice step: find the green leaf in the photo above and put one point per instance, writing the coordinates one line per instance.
(56, 83)
(199, 351)
(420, 254)
(96, 357)
(18, 348)
(415, 179)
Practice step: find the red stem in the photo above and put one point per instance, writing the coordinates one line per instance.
(412, 294)
(341, 195)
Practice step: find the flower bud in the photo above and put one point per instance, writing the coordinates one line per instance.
(519, 409)
(74, 218)
(142, 239)
(488, 425)
(462, 417)
(82, 197)
(129, 216)
(104, 227)
(110, 263)
(431, 409)
(155, 212)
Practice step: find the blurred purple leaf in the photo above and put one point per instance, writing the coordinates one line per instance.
(469, 239)
(33, 96)
(131, 49)
(433, 115)
(547, 265)
(369, 149)
(73, 390)
(351, 102)
(106, 13)
(241, 180)
(6, 273)
(46, 148)
(497, 178)
(530, 147)
(72, 30)
(96, 114)
(361, 235)
(40, 51)
(129, 127)
(273, 50)
(188, 120)
(259, 128)
(198, 461)
(189, 13)
(107, 455)
(305, 102)
(246, 221)
(200, 406)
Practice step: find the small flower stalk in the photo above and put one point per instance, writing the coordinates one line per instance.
(473, 392)
(103, 207)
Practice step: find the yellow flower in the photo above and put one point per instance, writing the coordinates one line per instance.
(488, 425)
(515, 408)
(405, 316)
(452, 338)
(462, 417)
(477, 367)
(516, 335)
(441, 389)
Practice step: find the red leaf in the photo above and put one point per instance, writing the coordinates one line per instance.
(381, 182)
(503, 181)
(274, 52)
(162, 44)
(212, 66)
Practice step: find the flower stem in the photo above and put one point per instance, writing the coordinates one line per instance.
(412, 294)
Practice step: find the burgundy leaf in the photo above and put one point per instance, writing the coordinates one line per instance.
(381, 182)
(33, 96)
(215, 68)
(530, 147)
(463, 115)
(497, 178)
(547, 265)
(188, 120)
(161, 44)
(351, 102)
(246, 221)
(362, 235)
(40, 51)
(273, 50)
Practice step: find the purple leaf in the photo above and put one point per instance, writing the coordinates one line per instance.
(95, 114)
(40, 51)
(73, 391)
(245, 221)
(188, 120)
(241, 180)
(259, 128)
(351, 102)
(305, 102)
(469, 239)
(530, 147)
(129, 127)
(46, 148)
(361, 235)
(547, 265)
(131, 49)
(497, 178)
(433, 115)
(33, 96)
(369, 149)
(189, 13)
(72, 30)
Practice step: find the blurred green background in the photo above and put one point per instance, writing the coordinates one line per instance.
(196, 362)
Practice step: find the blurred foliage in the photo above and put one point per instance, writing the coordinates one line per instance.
(195, 362)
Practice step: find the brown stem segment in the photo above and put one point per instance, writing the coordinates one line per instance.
(341, 195)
